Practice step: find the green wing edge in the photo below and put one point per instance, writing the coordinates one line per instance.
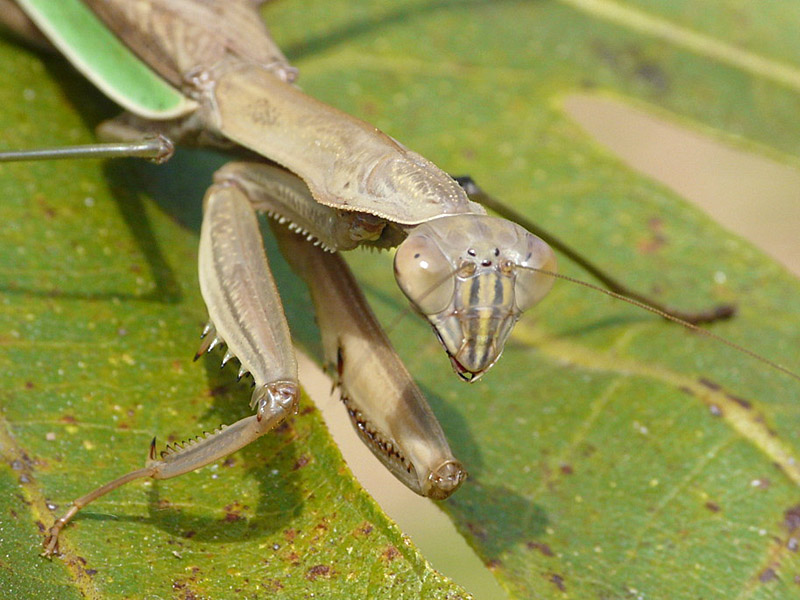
(103, 59)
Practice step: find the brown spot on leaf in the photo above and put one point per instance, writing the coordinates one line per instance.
(390, 553)
(566, 469)
(182, 587)
(493, 564)
(290, 534)
(318, 571)
(364, 530)
(746, 404)
(29, 385)
(68, 419)
(232, 517)
(713, 506)
(767, 575)
(301, 462)
(272, 585)
(541, 547)
(791, 518)
(477, 530)
(558, 581)
(709, 384)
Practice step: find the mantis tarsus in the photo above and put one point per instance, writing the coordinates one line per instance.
(366, 228)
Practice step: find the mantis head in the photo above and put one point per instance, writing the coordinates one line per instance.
(471, 276)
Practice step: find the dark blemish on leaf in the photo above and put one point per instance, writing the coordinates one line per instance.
(587, 450)
(290, 534)
(307, 410)
(29, 385)
(189, 534)
(229, 462)
(318, 571)
(40, 526)
(767, 575)
(390, 553)
(709, 384)
(566, 469)
(183, 588)
(713, 506)
(476, 530)
(558, 581)
(493, 564)
(301, 462)
(91, 572)
(16, 465)
(541, 547)
(652, 74)
(48, 210)
(746, 404)
(652, 245)
(272, 585)
(791, 518)
(68, 419)
(232, 517)
(365, 530)
(686, 390)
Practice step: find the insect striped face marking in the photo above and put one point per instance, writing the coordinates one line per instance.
(466, 275)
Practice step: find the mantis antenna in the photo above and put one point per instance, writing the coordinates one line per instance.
(670, 317)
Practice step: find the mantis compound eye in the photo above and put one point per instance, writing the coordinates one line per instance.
(424, 274)
(530, 285)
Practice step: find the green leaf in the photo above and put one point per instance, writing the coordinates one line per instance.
(610, 454)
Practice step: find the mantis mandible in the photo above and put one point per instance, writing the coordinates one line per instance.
(311, 140)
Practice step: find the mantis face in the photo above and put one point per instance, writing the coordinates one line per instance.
(471, 276)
